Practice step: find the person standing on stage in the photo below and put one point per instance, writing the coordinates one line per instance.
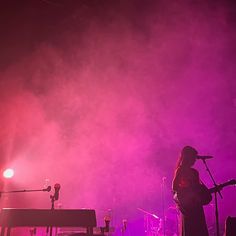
(190, 194)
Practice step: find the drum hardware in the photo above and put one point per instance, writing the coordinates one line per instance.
(152, 223)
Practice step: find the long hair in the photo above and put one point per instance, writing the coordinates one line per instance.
(184, 156)
(183, 160)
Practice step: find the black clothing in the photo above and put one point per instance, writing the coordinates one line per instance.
(191, 195)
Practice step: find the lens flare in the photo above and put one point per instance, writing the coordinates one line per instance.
(8, 173)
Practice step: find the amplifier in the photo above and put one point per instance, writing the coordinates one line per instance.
(230, 226)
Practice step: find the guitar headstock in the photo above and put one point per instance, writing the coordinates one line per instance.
(219, 187)
(232, 182)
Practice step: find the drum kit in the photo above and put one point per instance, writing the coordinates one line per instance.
(161, 226)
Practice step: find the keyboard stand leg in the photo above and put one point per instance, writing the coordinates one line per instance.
(90, 231)
(2, 231)
(8, 231)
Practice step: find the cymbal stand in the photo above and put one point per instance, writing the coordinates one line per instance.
(215, 198)
(148, 222)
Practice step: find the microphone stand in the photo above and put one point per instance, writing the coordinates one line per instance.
(53, 199)
(52, 202)
(163, 206)
(52, 209)
(215, 197)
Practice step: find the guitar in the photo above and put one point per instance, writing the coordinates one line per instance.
(187, 199)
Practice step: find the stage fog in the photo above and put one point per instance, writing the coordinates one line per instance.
(100, 97)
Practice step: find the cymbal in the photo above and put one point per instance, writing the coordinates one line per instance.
(148, 213)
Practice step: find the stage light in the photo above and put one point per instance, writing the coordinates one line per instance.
(8, 173)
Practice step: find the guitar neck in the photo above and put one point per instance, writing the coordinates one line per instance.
(221, 186)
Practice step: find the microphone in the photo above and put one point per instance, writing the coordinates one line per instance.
(48, 189)
(56, 191)
(203, 157)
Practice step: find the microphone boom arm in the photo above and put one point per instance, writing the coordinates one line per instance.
(48, 189)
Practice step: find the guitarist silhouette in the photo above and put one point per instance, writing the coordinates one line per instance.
(190, 194)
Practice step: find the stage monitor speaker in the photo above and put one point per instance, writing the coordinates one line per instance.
(230, 226)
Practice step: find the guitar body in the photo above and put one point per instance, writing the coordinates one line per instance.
(188, 199)
(205, 195)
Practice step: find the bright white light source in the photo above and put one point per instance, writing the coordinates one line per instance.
(8, 173)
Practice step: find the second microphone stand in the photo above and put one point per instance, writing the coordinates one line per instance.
(53, 199)
(52, 208)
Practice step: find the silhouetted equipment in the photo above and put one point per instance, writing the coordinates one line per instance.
(230, 226)
(11, 217)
